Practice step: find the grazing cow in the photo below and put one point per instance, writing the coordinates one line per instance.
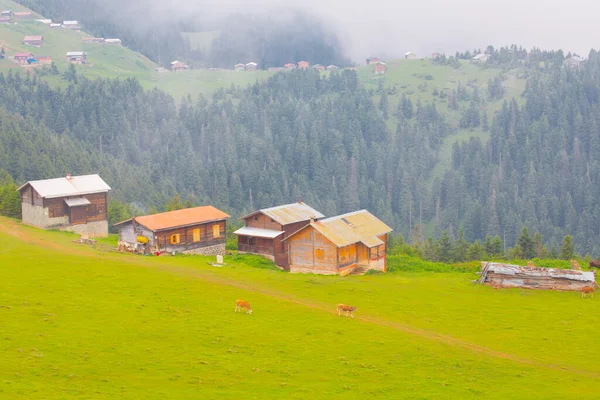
(595, 264)
(530, 264)
(242, 304)
(587, 290)
(575, 265)
(349, 310)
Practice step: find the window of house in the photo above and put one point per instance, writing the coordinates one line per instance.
(196, 235)
(216, 231)
(319, 254)
(256, 217)
(252, 241)
(175, 239)
(272, 220)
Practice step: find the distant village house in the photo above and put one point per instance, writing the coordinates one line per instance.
(239, 67)
(574, 62)
(251, 66)
(480, 58)
(6, 13)
(44, 21)
(178, 66)
(46, 60)
(94, 40)
(352, 243)
(72, 203)
(380, 68)
(332, 68)
(22, 14)
(77, 57)
(319, 67)
(22, 58)
(4, 20)
(72, 25)
(290, 66)
(410, 56)
(198, 230)
(35, 41)
(436, 56)
(372, 60)
(113, 41)
(264, 230)
(55, 25)
(303, 65)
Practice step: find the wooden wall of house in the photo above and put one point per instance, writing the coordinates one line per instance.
(56, 207)
(186, 236)
(262, 221)
(129, 235)
(377, 256)
(311, 252)
(97, 210)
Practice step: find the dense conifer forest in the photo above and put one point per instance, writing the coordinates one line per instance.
(324, 138)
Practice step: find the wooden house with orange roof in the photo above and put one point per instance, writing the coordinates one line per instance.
(352, 243)
(197, 230)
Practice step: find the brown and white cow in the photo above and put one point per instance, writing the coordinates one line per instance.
(349, 310)
(587, 290)
(243, 305)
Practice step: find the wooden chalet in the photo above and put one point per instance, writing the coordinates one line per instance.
(265, 230)
(93, 40)
(113, 41)
(22, 14)
(347, 244)
(46, 60)
(178, 66)
(22, 58)
(303, 65)
(77, 57)
(251, 66)
(239, 67)
(36, 41)
(72, 203)
(197, 230)
(290, 66)
(410, 56)
(332, 68)
(319, 67)
(372, 60)
(4, 20)
(380, 68)
(71, 25)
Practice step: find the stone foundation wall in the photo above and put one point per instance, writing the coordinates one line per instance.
(218, 249)
(90, 230)
(38, 216)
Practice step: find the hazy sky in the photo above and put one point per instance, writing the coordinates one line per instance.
(391, 28)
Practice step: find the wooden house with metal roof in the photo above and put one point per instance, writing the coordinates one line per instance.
(265, 230)
(72, 203)
(197, 230)
(347, 244)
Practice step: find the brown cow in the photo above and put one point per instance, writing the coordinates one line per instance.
(243, 304)
(530, 264)
(587, 290)
(595, 264)
(349, 310)
(575, 265)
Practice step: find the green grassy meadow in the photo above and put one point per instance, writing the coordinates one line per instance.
(89, 323)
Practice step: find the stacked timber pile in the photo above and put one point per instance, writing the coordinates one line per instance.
(506, 275)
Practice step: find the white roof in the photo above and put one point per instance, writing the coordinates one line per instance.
(112, 40)
(78, 201)
(479, 56)
(258, 232)
(70, 23)
(408, 53)
(44, 21)
(252, 63)
(75, 186)
(76, 53)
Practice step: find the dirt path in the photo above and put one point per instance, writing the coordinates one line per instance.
(14, 229)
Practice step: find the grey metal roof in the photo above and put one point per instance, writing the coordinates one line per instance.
(79, 201)
(258, 232)
(74, 186)
(289, 213)
(509, 269)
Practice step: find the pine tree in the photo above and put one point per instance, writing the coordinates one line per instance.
(461, 247)
(475, 251)
(174, 204)
(567, 250)
(526, 245)
(445, 248)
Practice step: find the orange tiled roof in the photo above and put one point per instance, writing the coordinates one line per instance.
(177, 218)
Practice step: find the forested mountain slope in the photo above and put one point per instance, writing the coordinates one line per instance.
(325, 139)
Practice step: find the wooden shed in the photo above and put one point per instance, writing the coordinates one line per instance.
(511, 276)
(347, 244)
(73, 203)
(265, 230)
(197, 230)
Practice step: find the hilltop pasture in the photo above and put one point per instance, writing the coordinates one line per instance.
(81, 322)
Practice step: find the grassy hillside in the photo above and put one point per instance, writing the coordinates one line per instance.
(79, 322)
(111, 60)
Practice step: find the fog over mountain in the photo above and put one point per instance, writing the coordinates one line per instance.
(391, 28)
